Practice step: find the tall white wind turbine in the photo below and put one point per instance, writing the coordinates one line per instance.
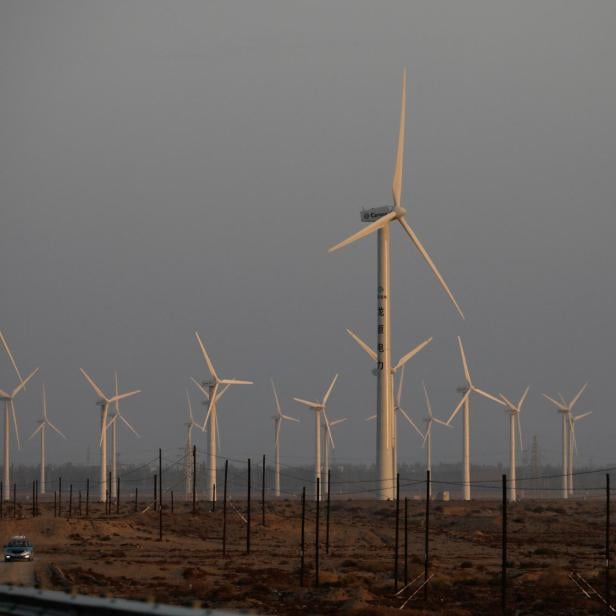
(567, 440)
(213, 394)
(319, 409)
(427, 441)
(43, 423)
(467, 390)
(113, 424)
(278, 418)
(104, 402)
(382, 217)
(393, 428)
(328, 445)
(513, 410)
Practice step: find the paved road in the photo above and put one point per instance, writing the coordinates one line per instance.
(17, 573)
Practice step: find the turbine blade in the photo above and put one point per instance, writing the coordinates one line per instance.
(572, 431)
(201, 388)
(190, 412)
(126, 395)
(485, 394)
(213, 401)
(457, 409)
(508, 402)
(222, 392)
(411, 422)
(578, 417)
(44, 402)
(117, 392)
(337, 421)
(24, 383)
(290, 418)
(371, 418)
(400, 382)
(371, 228)
(129, 426)
(396, 187)
(8, 352)
(523, 399)
(15, 421)
(426, 435)
(329, 430)
(428, 405)
(36, 431)
(278, 427)
(428, 260)
(577, 396)
(520, 431)
(412, 353)
(329, 390)
(312, 405)
(4, 394)
(276, 400)
(362, 344)
(55, 429)
(467, 372)
(441, 422)
(234, 382)
(94, 386)
(554, 402)
(206, 357)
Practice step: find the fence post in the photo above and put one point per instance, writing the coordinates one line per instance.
(263, 493)
(70, 501)
(224, 511)
(194, 480)
(608, 593)
(248, 512)
(504, 550)
(118, 495)
(427, 537)
(87, 497)
(316, 534)
(397, 532)
(302, 539)
(160, 494)
(213, 508)
(406, 540)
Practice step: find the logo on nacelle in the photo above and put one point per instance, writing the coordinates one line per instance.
(375, 213)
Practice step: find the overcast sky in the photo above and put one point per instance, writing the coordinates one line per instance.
(173, 166)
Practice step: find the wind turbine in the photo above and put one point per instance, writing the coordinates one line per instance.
(104, 402)
(43, 423)
(573, 444)
(213, 396)
(113, 424)
(427, 441)
(383, 217)
(328, 442)
(188, 467)
(393, 428)
(278, 419)
(467, 390)
(565, 410)
(513, 411)
(319, 408)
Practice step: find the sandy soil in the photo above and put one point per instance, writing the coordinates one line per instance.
(121, 555)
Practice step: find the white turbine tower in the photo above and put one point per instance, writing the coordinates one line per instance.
(573, 444)
(394, 417)
(278, 418)
(427, 441)
(113, 424)
(319, 409)
(382, 217)
(565, 410)
(43, 423)
(513, 411)
(213, 396)
(468, 389)
(104, 402)
(188, 462)
(328, 444)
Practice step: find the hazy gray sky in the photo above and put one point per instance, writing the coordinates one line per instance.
(172, 166)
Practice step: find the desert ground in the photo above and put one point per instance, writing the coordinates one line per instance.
(121, 555)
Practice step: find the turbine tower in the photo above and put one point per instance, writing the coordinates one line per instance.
(278, 419)
(565, 410)
(467, 390)
(188, 462)
(319, 409)
(213, 396)
(382, 217)
(427, 441)
(573, 445)
(104, 402)
(328, 444)
(43, 423)
(394, 417)
(113, 424)
(513, 411)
